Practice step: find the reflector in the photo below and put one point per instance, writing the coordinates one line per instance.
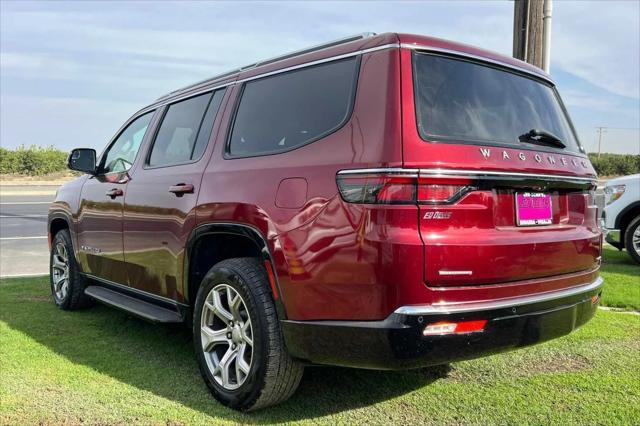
(461, 327)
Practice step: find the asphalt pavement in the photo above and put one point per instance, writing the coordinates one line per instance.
(24, 249)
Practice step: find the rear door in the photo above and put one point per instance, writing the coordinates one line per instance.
(505, 188)
(159, 209)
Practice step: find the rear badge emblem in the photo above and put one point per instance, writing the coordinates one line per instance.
(437, 215)
(486, 153)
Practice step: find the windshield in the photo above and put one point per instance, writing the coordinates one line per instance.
(467, 101)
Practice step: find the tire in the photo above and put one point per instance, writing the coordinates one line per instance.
(632, 239)
(260, 374)
(67, 284)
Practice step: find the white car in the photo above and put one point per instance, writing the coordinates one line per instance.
(621, 215)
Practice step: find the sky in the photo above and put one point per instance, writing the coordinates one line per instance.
(72, 72)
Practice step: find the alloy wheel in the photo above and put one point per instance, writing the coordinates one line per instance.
(226, 336)
(635, 240)
(60, 265)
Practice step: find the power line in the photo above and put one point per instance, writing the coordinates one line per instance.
(603, 129)
(618, 128)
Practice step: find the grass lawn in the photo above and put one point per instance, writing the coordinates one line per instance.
(622, 280)
(101, 366)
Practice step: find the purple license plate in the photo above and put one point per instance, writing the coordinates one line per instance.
(533, 208)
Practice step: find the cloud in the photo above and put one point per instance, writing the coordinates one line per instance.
(599, 42)
(114, 57)
(65, 122)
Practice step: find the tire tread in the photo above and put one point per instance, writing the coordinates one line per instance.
(282, 374)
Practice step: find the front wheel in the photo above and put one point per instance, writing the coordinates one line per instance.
(238, 340)
(632, 239)
(67, 285)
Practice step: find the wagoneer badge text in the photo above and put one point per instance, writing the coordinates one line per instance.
(486, 153)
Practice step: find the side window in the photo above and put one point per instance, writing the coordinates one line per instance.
(288, 110)
(185, 130)
(122, 153)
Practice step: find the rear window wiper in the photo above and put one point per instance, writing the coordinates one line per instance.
(542, 136)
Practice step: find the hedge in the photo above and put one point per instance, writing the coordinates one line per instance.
(32, 161)
(615, 164)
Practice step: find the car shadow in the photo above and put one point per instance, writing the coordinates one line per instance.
(160, 360)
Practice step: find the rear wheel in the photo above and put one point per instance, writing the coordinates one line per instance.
(238, 340)
(67, 285)
(632, 239)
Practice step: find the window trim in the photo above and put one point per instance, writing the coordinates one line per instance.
(165, 110)
(493, 143)
(351, 105)
(119, 133)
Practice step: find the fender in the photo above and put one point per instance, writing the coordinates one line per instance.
(242, 230)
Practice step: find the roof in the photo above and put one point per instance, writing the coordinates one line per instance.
(348, 45)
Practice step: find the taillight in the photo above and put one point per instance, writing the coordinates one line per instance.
(434, 190)
(400, 188)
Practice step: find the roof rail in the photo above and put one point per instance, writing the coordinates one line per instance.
(273, 60)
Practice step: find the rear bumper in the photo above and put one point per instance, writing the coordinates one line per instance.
(398, 342)
(613, 237)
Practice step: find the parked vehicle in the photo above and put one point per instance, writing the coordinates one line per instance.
(621, 215)
(384, 201)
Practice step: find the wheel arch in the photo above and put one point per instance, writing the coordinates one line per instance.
(238, 240)
(57, 222)
(626, 216)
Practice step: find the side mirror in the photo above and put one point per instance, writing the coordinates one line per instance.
(83, 160)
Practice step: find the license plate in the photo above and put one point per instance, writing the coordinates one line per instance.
(533, 208)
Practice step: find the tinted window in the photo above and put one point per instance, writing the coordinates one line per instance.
(122, 153)
(288, 110)
(185, 130)
(467, 101)
(207, 124)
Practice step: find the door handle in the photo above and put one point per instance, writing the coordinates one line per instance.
(115, 192)
(181, 189)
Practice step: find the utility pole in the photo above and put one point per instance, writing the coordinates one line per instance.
(532, 32)
(600, 131)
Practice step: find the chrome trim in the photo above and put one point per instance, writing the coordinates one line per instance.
(167, 101)
(464, 173)
(390, 170)
(487, 305)
(196, 90)
(271, 60)
(543, 75)
(320, 61)
(447, 273)
(312, 49)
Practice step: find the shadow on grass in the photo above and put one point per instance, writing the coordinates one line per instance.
(160, 359)
(613, 256)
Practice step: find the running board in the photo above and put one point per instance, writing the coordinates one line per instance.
(134, 306)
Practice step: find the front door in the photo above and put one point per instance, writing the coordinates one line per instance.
(100, 250)
(159, 210)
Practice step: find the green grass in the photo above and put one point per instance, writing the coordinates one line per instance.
(102, 366)
(622, 280)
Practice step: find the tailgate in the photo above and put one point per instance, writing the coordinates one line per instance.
(477, 240)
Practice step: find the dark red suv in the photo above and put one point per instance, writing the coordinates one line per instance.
(383, 201)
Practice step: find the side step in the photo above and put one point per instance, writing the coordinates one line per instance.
(137, 307)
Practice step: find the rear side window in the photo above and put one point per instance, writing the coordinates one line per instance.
(468, 101)
(285, 111)
(185, 130)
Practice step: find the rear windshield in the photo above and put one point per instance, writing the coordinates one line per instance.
(466, 101)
